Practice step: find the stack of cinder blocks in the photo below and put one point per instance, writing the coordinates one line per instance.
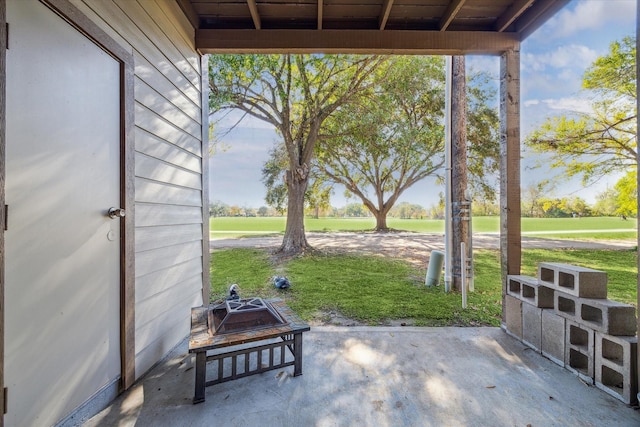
(564, 314)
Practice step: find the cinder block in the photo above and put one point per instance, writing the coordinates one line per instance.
(566, 305)
(616, 365)
(514, 285)
(574, 280)
(537, 294)
(579, 350)
(553, 336)
(606, 316)
(530, 290)
(513, 314)
(532, 326)
(609, 317)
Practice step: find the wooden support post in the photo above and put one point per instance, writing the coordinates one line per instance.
(510, 230)
(459, 226)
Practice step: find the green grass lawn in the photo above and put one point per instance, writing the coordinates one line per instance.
(375, 290)
(574, 228)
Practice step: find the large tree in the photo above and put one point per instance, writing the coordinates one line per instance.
(602, 141)
(392, 136)
(388, 138)
(295, 94)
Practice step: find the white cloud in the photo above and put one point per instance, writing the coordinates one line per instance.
(571, 55)
(531, 102)
(582, 15)
(579, 105)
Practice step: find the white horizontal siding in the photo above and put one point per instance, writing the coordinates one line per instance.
(148, 215)
(154, 351)
(155, 169)
(165, 193)
(153, 146)
(146, 311)
(163, 128)
(163, 107)
(148, 238)
(152, 284)
(162, 84)
(168, 166)
(161, 258)
(154, 329)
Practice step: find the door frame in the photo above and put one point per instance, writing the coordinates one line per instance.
(82, 23)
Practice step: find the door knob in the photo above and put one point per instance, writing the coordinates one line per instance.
(116, 213)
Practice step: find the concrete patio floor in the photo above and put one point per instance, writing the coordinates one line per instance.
(379, 376)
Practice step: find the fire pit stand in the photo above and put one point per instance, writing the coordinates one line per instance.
(236, 349)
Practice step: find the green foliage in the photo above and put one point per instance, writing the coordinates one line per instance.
(627, 194)
(318, 193)
(391, 137)
(606, 203)
(614, 73)
(272, 173)
(407, 210)
(295, 94)
(604, 140)
(355, 210)
(483, 150)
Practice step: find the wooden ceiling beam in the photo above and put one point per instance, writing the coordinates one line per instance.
(450, 14)
(320, 4)
(384, 14)
(511, 14)
(355, 41)
(189, 12)
(253, 8)
(537, 15)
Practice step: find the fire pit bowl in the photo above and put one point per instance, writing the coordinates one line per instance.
(242, 315)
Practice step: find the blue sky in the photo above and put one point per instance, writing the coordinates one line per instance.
(553, 60)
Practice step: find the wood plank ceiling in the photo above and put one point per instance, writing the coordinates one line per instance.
(373, 26)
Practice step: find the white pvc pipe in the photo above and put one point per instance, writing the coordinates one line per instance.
(471, 268)
(463, 276)
(448, 235)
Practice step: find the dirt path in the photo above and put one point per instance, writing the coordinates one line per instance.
(414, 247)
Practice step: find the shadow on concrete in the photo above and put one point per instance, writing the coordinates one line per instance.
(380, 376)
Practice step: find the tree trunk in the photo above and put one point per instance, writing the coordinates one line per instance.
(295, 240)
(460, 204)
(381, 221)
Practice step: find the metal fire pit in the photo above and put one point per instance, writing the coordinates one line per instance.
(242, 315)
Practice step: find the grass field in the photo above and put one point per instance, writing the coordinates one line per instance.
(375, 290)
(575, 228)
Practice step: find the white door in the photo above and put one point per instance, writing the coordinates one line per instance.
(62, 262)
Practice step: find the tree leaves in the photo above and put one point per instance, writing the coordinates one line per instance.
(603, 141)
(392, 136)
